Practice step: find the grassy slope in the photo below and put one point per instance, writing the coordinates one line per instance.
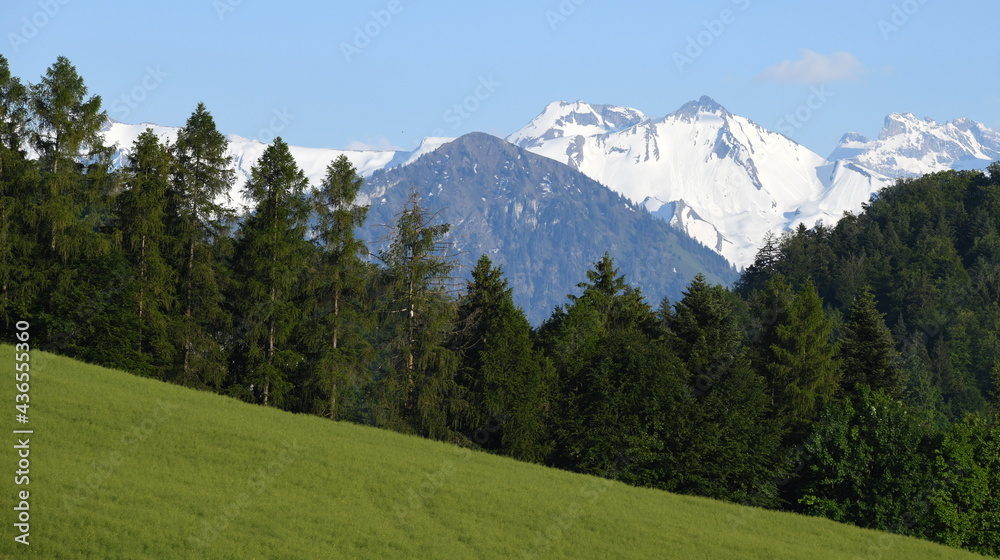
(124, 467)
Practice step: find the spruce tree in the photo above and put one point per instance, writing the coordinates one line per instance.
(199, 226)
(802, 368)
(500, 371)
(271, 253)
(19, 283)
(337, 306)
(140, 211)
(67, 123)
(730, 452)
(867, 350)
(66, 130)
(14, 115)
(791, 348)
(621, 305)
(418, 393)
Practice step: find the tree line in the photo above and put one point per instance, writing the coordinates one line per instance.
(789, 391)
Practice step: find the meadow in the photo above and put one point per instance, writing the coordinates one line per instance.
(128, 467)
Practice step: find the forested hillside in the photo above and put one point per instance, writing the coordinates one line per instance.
(852, 372)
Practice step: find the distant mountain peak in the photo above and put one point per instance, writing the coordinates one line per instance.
(704, 105)
(561, 119)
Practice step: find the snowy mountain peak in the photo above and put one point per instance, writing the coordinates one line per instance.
(561, 120)
(705, 105)
(909, 147)
(719, 177)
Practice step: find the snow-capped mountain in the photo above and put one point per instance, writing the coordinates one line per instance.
(909, 147)
(246, 152)
(719, 177)
(566, 121)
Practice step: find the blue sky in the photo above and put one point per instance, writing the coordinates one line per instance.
(389, 72)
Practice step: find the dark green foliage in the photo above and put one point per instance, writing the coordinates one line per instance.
(867, 350)
(337, 311)
(66, 127)
(199, 225)
(872, 463)
(928, 250)
(139, 215)
(794, 351)
(270, 256)
(19, 284)
(418, 392)
(732, 451)
(867, 465)
(67, 123)
(502, 374)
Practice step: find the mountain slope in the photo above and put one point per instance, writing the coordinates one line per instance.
(126, 467)
(721, 178)
(543, 221)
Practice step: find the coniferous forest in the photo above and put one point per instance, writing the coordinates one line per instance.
(851, 373)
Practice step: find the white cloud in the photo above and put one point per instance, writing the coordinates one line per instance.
(381, 145)
(814, 68)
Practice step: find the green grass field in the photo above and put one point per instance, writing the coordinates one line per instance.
(123, 467)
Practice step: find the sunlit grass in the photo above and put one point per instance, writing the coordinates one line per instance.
(124, 467)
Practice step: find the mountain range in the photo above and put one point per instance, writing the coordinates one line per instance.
(581, 179)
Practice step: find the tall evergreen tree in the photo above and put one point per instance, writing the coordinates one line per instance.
(867, 350)
(14, 115)
(140, 211)
(339, 313)
(66, 129)
(730, 453)
(797, 353)
(419, 391)
(18, 187)
(199, 224)
(271, 253)
(67, 123)
(500, 370)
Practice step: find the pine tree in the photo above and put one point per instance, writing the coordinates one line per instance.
(67, 123)
(755, 277)
(140, 211)
(704, 330)
(271, 253)
(500, 370)
(621, 305)
(792, 348)
(730, 452)
(66, 129)
(199, 225)
(14, 115)
(18, 187)
(419, 391)
(867, 350)
(339, 313)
